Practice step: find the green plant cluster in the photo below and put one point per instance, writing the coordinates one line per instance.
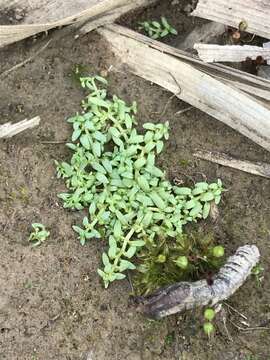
(39, 235)
(113, 173)
(157, 30)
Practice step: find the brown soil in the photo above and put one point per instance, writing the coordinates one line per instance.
(52, 303)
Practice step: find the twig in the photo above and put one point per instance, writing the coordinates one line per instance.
(54, 142)
(189, 295)
(180, 112)
(258, 328)
(165, 107)
(8, 130)
(235, 310)
(224, 320)
(17, 66)
(255, 168)
(130, 282)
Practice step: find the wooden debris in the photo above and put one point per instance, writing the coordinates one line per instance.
(267, 46)
(258, 168)
(252, 16)
(221, 99)
(113, 15)
(44, 15)
(230, 53)
(8, 130)
(185, 295)
(264, 71)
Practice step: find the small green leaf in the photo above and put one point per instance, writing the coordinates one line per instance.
(139, 163)
(98, 102)
(182, 191)
(137, 243)
(131, 252)
(96, 166)
(208, 196)
(159, 146)
(191, 204)
(92, 208)
(125, 265)
(119, 276)
(117, 229)
(206, 210)
(84, 139)
(76, 134)
(107, 165)
(96, 149)
(143, 183)
(102, 178)
(149, 126)
(105, 259)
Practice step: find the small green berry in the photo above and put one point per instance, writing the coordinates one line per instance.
(208, 328)
(209, 314)
(218, 251)
(182, 262)
(161, 259)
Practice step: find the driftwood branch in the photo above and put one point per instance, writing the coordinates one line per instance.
(111, 16)
(44, 15)
(254, 13)
(230, 53)
(219, 98)
(184, 295)
(8, 130)
(261, 169)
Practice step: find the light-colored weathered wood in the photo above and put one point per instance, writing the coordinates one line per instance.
(222, 101)
(230, 53)
(187, 295)
(47, 14)
(254, 13)
(8, 130)
(257, 168)
(249, 83)
(113, 15)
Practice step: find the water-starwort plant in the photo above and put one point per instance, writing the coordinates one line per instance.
(157, 30)
(39, 235)
(113, 173)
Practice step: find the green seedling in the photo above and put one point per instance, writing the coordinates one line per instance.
(39, 235)
(257, 272)
(209, 314)
(113, 173)
(157, 30)
(208, 328)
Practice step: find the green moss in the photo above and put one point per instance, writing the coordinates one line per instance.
(196, 247)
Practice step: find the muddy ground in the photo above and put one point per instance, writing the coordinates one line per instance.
(52, 303)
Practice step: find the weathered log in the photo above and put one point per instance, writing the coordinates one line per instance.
(230, 53)
(185, 78)
(43, 15)
(185, 296)
(253, 14)
(8, 130)
(258, 168)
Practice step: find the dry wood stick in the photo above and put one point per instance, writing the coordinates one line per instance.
(149, 60)
(8, 130)
(185, 295)
(257, 168)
